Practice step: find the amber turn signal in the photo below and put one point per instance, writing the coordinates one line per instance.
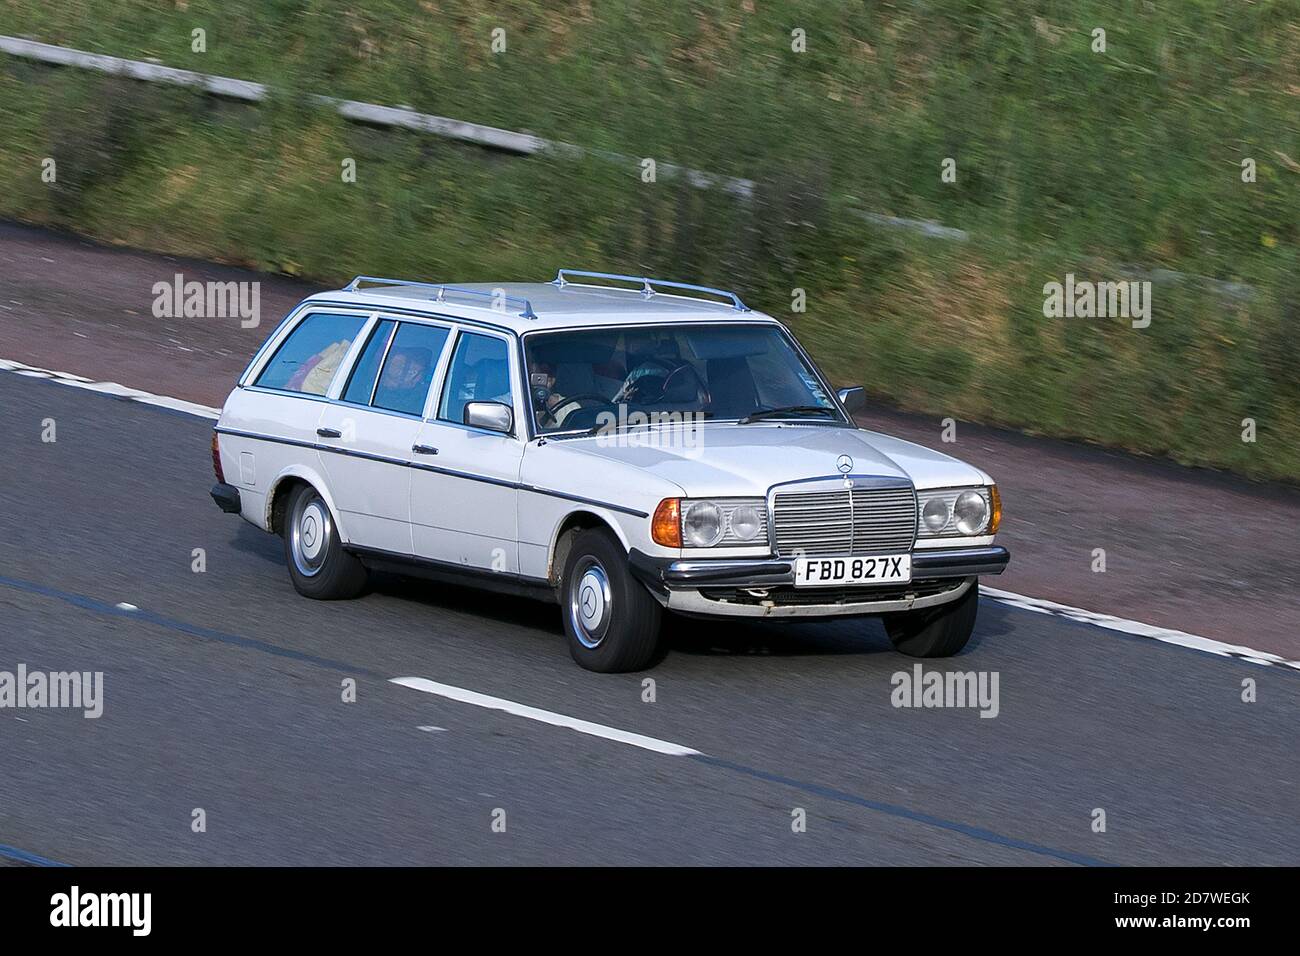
(995, 518)
(666, 525)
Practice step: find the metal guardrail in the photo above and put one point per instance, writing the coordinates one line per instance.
(523, 144)
(489, 136)
(400, 117)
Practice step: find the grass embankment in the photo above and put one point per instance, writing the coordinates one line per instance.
(1068, 160)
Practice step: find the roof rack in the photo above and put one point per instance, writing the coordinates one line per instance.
(445, 290)
(647, 285)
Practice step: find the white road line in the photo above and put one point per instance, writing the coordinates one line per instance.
(544, 716)
(1039, 605)
(112, 388)
(1167, 635)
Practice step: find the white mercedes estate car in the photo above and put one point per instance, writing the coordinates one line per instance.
(620, 446)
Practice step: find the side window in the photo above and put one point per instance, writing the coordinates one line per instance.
(480, 372)
(307, 360)
(408, 369)
(364, 373)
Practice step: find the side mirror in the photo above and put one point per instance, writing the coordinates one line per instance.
(853, 398)
(494, 416)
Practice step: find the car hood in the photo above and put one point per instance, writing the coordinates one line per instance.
(712, 460)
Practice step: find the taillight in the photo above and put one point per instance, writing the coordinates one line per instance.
(216, 459)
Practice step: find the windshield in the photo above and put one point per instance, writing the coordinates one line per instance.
(586, 379)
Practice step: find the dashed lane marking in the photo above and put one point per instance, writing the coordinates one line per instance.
(544, 716)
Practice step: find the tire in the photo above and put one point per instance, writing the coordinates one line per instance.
(318, 565)
(936, 631)
(610, 619)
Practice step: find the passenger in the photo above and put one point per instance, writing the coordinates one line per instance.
(405, 380)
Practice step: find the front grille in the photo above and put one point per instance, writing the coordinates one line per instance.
(844, 521)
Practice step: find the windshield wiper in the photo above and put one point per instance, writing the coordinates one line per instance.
(787, 410)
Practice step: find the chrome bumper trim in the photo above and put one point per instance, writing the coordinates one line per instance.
(660, 574)
(931, 563)
(693, 602)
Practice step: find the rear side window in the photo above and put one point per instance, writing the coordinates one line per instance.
(409, 367)
(307, 360)
(362, 382)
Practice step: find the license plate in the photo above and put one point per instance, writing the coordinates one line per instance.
(880, 569)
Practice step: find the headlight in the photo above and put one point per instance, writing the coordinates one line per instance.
(958, 512)
(971, 512)
(935, 514)
(702, 524)
(745, 522)
(709, 523)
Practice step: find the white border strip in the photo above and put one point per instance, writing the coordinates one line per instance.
(544, 716)
(1039, 605)
(1167, 635)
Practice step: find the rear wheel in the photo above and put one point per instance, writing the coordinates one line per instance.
(935, 631)
(318, 565)
(610, 619)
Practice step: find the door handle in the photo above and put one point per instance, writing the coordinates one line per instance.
(329, 433)
(424, 449)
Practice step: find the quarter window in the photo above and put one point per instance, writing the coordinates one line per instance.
(307, 360)
(480, 372)
(409, 367)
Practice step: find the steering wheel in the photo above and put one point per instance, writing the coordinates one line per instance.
(554, 414)
(701, 390)
(632, 388)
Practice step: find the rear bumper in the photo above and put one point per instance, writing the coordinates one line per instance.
(226, 497)
(764, 587)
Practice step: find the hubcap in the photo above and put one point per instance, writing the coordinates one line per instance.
(309, 535)
(590, 602)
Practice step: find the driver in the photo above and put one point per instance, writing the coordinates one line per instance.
(541, 383)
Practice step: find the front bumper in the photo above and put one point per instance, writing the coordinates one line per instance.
(764, 587)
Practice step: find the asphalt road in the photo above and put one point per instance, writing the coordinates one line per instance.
(222, 691)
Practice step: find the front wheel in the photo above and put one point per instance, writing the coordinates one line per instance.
(610, 619)
(318, 565)
(935, 631)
